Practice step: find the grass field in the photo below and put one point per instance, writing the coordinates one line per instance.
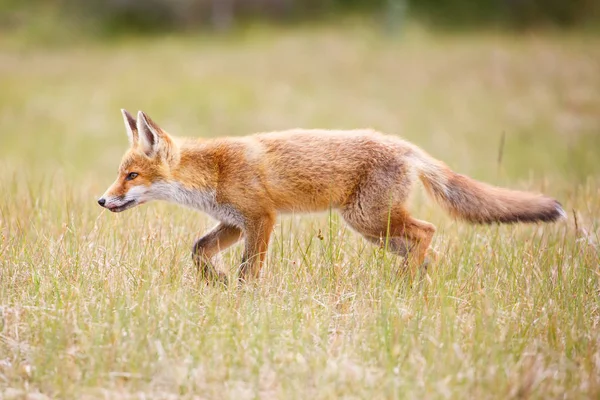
(98, 305)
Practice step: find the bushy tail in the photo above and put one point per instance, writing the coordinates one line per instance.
(478, 202)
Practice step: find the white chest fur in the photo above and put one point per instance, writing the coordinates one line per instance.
(205, 201)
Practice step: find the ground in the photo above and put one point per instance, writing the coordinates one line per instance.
(98, 305)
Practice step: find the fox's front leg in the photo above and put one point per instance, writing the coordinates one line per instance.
(219, 238)
(257, 233)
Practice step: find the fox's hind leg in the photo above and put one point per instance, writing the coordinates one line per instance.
(376, 210)
(417, 234)
(216, 240)
(408, 236)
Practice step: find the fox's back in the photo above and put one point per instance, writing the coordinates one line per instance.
(316, 168)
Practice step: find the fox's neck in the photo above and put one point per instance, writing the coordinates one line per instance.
(198, 168)
(193, 179)
(194, 184)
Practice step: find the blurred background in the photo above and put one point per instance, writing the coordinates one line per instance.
(109, 17)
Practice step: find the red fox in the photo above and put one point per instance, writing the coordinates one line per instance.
(244, 182)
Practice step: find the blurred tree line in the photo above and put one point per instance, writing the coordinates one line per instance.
(110, 16)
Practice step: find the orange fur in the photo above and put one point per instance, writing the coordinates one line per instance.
(245, 182)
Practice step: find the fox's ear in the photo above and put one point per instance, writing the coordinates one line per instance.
(130, 127)
(149, 134)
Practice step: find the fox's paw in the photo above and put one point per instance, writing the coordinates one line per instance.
(431, 258)
(211, 275)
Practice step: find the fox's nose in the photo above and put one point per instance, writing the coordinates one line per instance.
(102, 201)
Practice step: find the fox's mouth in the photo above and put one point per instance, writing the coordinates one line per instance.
(123, 207)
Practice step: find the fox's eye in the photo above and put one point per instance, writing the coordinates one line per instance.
(131, 176)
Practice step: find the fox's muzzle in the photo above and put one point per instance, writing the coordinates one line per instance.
(111, 206)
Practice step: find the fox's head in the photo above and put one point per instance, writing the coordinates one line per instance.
(148, 163)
